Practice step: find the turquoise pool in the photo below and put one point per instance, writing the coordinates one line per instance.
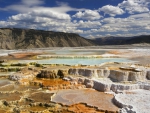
(83, 61)
(74, 61)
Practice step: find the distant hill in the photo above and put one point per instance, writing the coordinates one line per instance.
(122, 40)
(139, 39)
(29, 38)
(15, 38)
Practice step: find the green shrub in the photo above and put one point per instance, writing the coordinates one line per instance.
(32, 63)
(38, 65)
(20, 64)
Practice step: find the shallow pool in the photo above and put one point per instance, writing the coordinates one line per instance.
(74, 61)
(76, 52)
(83, 61)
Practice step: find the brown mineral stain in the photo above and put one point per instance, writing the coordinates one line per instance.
(3, 111)
(52, 82)
(91, 97)
(37, 108)
(41, 97)
(10, 96)
(82, 108)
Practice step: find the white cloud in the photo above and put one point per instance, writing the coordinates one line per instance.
(87, 24)
(90, 37)
(110, 20)
(135, 6)
(28, 20)
(133, 24)
(142, 15)
(111, 10)
(41, 13)
(32, 2)
(93, 36)
(88, 15)
(61, 3)
(5, 23)
(26, 6)
(33, 15)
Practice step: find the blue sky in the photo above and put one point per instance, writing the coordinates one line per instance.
(88, 18)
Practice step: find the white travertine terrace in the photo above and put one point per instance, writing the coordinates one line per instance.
(129, 83)
(78, 56)
(135, 101)
(115, 75)
(20, 76)
(133, 82)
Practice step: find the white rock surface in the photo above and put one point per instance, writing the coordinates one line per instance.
(138, 99)
(89, 72)
(115, 75)
(20, 76)
(119, 75)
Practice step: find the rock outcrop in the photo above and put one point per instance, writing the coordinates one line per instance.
(105, 86)
(29, 38)
(53, 73)
(89, 72)
(62, 73)
(148, 75)
(114, 75)
(101, 86)
(127, 75)
(88, 83)
(136, 76)
(20, 76)
(48, 74)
